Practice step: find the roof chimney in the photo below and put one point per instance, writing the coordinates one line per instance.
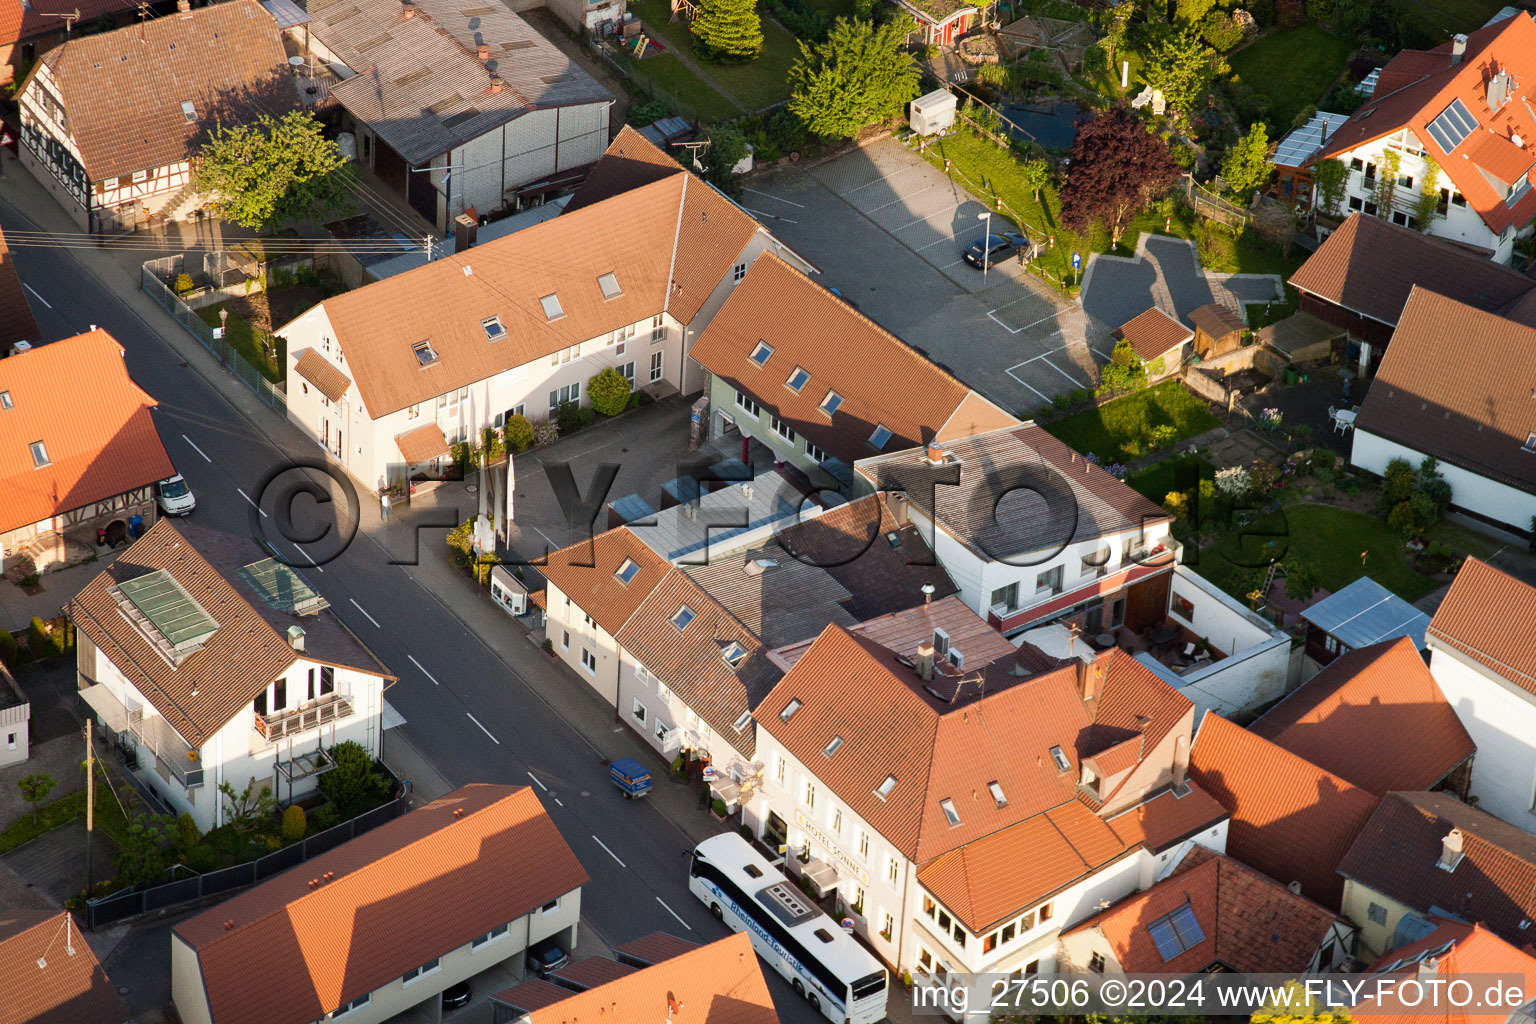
(466, 226)
(184, 6)
(296, 637)
(496, 84)
(1089, 676)
(935, 453)
(1294, 887)
(1458, 48)
(1180, 760)
(1428, 968)
(483, 52)
(928, 589)
(924, 661)
(407, 10)
(1451, 850)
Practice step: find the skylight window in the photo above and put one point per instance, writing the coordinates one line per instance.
(627, 571)
(831, 403)
(881, 435)
(790, 709)
(1060, 757)
(741, 723)
(831, 748)
(996, 789)
(188, 110)
(39, 455)
(610, 286)
(761, 353)
(552, 308)
(1530, 439)
(798, 380)
(684, 616)
(425, 356)
(884, 789)
(5, 400)
(1453, 125)
(733, 653)
(950, 814)
(1176, 933)
(494, 331)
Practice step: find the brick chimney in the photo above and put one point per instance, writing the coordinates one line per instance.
(483, 52)
(935, 453)
(496, 84)
(1458, 48)
(924, 660)
(1180, 760)
(1451, 850)
(1090, 678)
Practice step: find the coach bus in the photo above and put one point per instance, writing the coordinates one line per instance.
(825, 964)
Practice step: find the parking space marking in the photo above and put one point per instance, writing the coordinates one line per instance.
(779, 198)
(1059, 370)
(1013, 330)
(925, 219)
(946, 266)
(1026, 383)
(899, 199)
(930, 245)
(881, 178)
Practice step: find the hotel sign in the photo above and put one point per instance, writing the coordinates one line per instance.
(847, 863)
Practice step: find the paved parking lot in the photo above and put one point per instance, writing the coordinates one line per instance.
(888, 229)
(1166, 272)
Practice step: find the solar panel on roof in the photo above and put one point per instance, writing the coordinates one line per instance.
(169, 616)
(1453, 125)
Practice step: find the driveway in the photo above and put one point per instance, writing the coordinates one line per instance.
(1166, 273)
(888, 228)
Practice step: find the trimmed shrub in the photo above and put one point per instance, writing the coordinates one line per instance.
(39, 640)
(1400, 519)
(7, 648)
(518, 432)
(1222, 31)
(572, 416)
(295, 824)
(609, 391)
(718, 807)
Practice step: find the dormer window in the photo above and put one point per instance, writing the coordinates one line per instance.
(790, 709)
(950, 814)
(39, 455)
(494, 331)
(741, 722)
(425, 355)
(552, 307)
(884, 789)
(878, 439)
(831, 403)
(610, 286)
(761, 353)
(1060, 757)
(798, 380)
(1530, 439)
(627, 571)
(683, 616)
(733, 653)
(996, 789)
(831, 748)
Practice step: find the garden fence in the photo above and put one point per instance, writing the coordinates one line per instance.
(157, 278)
(1209, 204)
(633, 71)
(122, 905)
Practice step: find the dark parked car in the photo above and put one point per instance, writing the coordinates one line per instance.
(547, 956)
(999, 247)
(455, 996)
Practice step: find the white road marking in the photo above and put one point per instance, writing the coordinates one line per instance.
(610, 853)
(558, 801)
(309, 557)
(1059, 370)
(883, 178)
(903, 198)
(951, 263)
(1034, 323)
(765, 213)
(1026, 383)
(36, 296)
(195, 448)
(483, 729)
(423, 668)
(779, 198)
(938, 241)
(669, 910)
(253, 505)
(536, 782)
(365, 613)
(551, 540)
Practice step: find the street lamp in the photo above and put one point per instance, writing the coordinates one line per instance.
(986, 242)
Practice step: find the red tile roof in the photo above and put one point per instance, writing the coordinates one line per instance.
(882, 380)
(1471, 413)
(50, 975)
(1398, 855)
(422, 444)
(1474, 619)
(630, 161)
(1152, 333)
(414, 888)
(590, 972)
(721, 983)
(654, 948)
(1370, 266)
(113, 450)
(20, 21)
(586, 572)
(16, 322)
(123, 90)
(1416, 87)
(1168, 818)
(320, 372)
(1475, 954)
(1290, 819)
(1384, 691)
(1251, 923)
(852, 687)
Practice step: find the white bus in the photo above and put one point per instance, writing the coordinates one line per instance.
(826, 965)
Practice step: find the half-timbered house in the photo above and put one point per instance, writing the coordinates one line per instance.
(77, 463)
(111, 123)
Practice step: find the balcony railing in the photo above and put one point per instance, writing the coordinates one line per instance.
(281, 724)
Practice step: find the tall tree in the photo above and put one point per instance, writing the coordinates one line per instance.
(261, 174)
(728, 31)
(1117, 167)
(860, 75)
(1182, 67)
(1247, 165)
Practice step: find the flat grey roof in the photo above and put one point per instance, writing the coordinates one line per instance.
(1366, 613)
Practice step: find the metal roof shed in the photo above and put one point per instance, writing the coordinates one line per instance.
(1366, 613)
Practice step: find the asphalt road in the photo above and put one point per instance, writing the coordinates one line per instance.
(474, 716)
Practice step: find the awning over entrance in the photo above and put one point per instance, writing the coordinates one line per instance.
(822, 875)
(422, 444)
(107, 707)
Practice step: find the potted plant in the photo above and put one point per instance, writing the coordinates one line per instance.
(549, 647)
(718, 809)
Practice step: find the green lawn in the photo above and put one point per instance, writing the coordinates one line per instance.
(1293, 68)
(1172, 474)
(1120, 430)
(1341, 545)
(835, 8)
(678, 87)
(1106, 81)
(242, 337)
(756, 84)
(1452, 16)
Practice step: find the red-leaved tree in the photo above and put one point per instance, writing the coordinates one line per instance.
(1117, 168)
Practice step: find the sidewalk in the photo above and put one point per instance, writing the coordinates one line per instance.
(18, 608)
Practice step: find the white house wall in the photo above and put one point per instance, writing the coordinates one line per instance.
(1501, 719)
(565, 618)
(1489, 498)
